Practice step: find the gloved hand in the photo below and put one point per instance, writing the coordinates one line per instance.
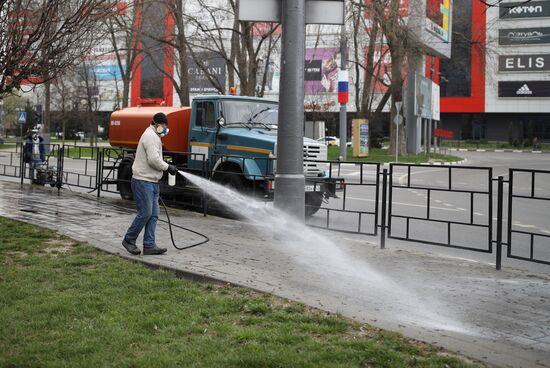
(172, 169)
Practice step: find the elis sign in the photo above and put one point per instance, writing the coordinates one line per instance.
(518, 63)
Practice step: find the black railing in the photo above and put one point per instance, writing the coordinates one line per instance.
(80, 166)
(526, 244)
(11, 162)
(438, 224)
(356, 199)
(359, 206)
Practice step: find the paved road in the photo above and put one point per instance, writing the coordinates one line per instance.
(502, 317)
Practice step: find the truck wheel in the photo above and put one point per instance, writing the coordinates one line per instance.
(232, 181)
(313, 203)
(124, 180)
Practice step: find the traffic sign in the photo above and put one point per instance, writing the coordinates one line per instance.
(398, 119)
(22, 117)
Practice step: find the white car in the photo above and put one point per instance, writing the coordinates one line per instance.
(331, 141)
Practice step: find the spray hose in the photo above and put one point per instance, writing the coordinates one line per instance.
(206, 239)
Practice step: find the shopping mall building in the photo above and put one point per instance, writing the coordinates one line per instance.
(496, 86)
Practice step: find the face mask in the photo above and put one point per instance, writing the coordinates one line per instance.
(162, 130)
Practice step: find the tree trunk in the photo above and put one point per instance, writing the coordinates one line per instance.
(47, 101)
(397, 95)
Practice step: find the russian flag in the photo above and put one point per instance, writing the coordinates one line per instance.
(343, 95)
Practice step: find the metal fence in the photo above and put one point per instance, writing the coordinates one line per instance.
(81, 166)
(451, 209)
(431, 224)
(528, 241)
(355, 209)
(11, 161)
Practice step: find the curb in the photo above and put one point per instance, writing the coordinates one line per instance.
(493, 150)
(386, 165)
(439, 163)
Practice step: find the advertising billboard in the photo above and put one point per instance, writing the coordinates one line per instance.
(321, 70)
(107, 72)
(438, 13)
(432, 22)
(211, 65)
(524, 89)
(524, 36)
(524, 63)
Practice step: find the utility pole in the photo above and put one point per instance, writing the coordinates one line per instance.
(413, 126)
(290, 180)
(343, 84)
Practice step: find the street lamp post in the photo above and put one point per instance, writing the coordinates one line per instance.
(290, 180)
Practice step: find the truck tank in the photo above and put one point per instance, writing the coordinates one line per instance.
(127, 126)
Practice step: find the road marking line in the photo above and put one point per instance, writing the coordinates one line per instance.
(524, 226)
(407, 204)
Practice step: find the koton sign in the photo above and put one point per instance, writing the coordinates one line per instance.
(526, 9)
(524, 89)
(527, 63)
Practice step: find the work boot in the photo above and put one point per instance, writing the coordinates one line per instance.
(131, 247)
(153, 250)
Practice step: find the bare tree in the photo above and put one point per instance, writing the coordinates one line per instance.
(40, 39)
(124, 31)
(219, 31)
(88, 92)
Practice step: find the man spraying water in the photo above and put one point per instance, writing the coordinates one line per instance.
(147, 169)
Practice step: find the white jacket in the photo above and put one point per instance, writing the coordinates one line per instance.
(148, 164)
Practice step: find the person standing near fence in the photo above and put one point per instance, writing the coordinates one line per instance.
(147, 170)
(34, 152)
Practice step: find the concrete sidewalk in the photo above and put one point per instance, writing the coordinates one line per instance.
(500, 317)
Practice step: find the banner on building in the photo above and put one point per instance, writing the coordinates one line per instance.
(107, 72)
(211, 66)
(524, 63)
(321, 70)
(524, 89)
(524, 36)
(530, 9)
(438, 18)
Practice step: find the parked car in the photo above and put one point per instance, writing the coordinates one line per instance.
(329, 141)
(332, 141)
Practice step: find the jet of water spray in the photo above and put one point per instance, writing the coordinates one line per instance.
(318, 254)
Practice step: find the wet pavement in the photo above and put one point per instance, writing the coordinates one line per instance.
(500, 317)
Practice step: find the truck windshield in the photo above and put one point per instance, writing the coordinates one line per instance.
(250, 113)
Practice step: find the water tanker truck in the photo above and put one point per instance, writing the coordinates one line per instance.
(233, 138)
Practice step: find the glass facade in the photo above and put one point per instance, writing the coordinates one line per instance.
(456, 72)
(153, 58)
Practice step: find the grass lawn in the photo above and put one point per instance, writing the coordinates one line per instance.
(70, 151)
(63, 303)
(378, 155)
(81, 152)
